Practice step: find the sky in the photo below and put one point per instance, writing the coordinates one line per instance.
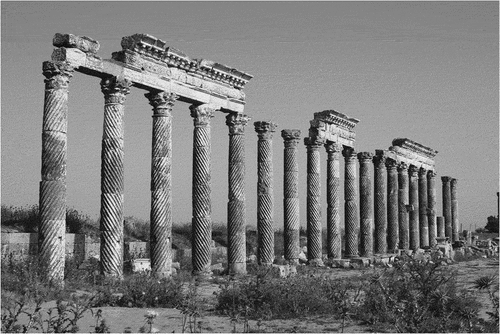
(427, 71)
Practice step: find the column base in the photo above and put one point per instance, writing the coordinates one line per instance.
(316, 262)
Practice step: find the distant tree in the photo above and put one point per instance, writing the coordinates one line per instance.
(492, 225)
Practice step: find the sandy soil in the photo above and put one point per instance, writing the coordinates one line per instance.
(170, 320)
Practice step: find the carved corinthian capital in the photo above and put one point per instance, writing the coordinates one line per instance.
(236, 123)
(332, 147)
(115, 89)
(202, 114)
(365, 157)
(162, 102)
(57, 74)
(413, 171)
(265, 129)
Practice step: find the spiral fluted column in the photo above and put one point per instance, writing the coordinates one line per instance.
(52, 200)
(414, 211)
(334, 237)
(404, 233)
(431, 207)
(455, 225)
(236, 215)
(112, 176)
(350, 203)
(161, 183)
(392, 205)
(380, 210)
(291, 138)
(265, 196)
(314, 242)
(201, 195)
(365, 204)
(422, 207)
(447, 206)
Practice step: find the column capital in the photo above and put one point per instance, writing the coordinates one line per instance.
(236, 123)
(265, 129)
(115, 89)
(453, 182)
(57, 74)
(365, 157)
(446, 179)
(431, 174)
(290, 134)
(333, 147)
(413, 171)
(349, 153)
(202, 113)
(313, 142)
(162, 102)
(380, 160)
(391, 163)
(422, 172)
(402, 167)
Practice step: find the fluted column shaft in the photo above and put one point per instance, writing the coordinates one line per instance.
(455, 225)
(52, 196)
(392, 205)
(202, 189)
(112, 176)
(291, 138)
(422, 207)
(314, 241)
(414, 211)
(404, 233)
(431, 207)
(265, 195)
(334, 237)
(350, 203)
(236, 215)
(365, 204)
(380, 209)
(447, 206)
(161, 183)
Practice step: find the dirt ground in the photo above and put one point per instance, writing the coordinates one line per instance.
(170, 320)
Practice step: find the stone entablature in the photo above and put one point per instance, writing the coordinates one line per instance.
(411, 153)
(333, 126)
(149, 64)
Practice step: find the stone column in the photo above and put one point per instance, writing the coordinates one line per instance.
(161, 183)
(392, 205)
(414, 211)
(350, 203)
(404, 233)
(365, 204)
(334, 237)
(52, 196)
(431, 207)
(422, 207)
(291, 215)
(447, 206)
(112, 176)
(265, 196)
(455, 225)
(314, 241)
(236, 221)
(440, 227)
(202, 190)
(380, 210)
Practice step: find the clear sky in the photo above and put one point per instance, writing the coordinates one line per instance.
(427, 71)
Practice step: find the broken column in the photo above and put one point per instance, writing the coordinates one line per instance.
(447, 206)
(52, 196)
(404, 233)
(112, 176)
(314, 242)
(291, 138)
(334, 238)
(365, 204)
(455, 225)
(392, 205)
(380, 210)
(265, 196)
(431, 207)
(202, 203)
(350, 203)
(161, 183)
(236, 222)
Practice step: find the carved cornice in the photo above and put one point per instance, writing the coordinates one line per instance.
(115, 89)
(236, 123)
(265, 129)
(162, 102)
(57, 74)
(415, 147)
(202, 114)
(446, 179)
(365, 157)
(149, 46)
(290, 134)
(83, 43)
(336, 118)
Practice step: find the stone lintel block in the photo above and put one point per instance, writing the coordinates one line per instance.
(331, 132)
(336, 118)
(83, 43)
(415, 147)
(402, 155)
(340, 263)
(75, 57)
(284, 271)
